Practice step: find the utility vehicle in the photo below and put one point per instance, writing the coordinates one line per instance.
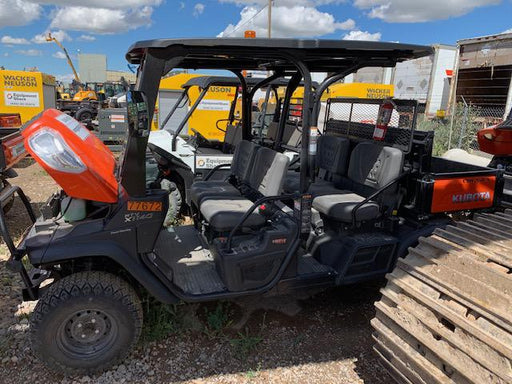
(365, 191)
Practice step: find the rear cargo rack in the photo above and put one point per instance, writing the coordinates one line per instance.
(355, 119)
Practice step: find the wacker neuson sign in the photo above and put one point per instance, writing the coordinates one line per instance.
(20, 81)
(21, 99)
(26, 93)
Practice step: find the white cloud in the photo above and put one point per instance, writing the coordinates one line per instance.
(287, 21)
(103, 21)
(284, 3)
(507, 31)
(13, 40)
(29, 52)
(86, 38)
(182, 5)
(6, 54)
(198, 9)
(18, 12)
(410, 11)
(59, 55)
(59, 35)
(122, 4)
(362, 35)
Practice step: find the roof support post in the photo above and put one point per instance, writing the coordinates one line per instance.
(292, 86)
(133, 170)
(246, 107)
(326, 84)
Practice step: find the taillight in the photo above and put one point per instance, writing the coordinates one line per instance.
(13, 149)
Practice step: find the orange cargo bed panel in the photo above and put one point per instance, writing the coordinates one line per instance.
(462, 193)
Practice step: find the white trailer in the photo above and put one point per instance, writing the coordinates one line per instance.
(426, 79)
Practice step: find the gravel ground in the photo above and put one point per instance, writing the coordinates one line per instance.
(324, 339)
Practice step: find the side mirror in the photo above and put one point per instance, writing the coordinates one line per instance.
(138, 122)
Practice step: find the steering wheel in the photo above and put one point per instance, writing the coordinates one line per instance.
(200, 139)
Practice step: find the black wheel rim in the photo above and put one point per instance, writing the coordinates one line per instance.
(87, 334)
(85, 116)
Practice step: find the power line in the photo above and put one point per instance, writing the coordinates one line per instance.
(247, 22)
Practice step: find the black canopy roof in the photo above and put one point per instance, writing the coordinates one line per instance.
(232, 81)
(275, 54)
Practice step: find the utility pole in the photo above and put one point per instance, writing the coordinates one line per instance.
(269, 19)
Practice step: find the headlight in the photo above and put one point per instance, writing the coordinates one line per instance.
(49, 145)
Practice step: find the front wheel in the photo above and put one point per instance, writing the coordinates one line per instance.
(85, 323)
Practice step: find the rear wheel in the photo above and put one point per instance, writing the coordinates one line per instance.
(86, 323)
(84, 115)
(175, 201)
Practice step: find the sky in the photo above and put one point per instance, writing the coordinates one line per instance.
(110, 27)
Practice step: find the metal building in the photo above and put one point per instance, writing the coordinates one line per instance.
(484, 73)
(92, 67)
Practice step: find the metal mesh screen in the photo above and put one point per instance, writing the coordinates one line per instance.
(356, 118)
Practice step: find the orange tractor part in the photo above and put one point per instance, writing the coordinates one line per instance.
(74, 157)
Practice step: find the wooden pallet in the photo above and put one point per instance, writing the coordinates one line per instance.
(446, 312)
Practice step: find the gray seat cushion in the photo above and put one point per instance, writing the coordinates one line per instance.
(339, 207)
(318, 188)
(225, 214)
(202, 189)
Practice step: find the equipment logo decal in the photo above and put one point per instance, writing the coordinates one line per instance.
(145, 206)
(463, 193)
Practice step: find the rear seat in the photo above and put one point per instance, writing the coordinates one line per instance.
(371, 167)
(240, 170)
(266, 179)
(331, 160)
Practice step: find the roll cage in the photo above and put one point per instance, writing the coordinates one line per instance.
(292, 58)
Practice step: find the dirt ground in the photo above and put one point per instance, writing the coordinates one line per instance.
(324, 339)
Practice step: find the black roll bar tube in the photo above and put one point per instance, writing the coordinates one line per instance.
(307, 161)
(261, 84)
(375, 194)
(215, 169)
(187, 116)
(255, 205)
(246, 107)
(326, 84)
(292, 86)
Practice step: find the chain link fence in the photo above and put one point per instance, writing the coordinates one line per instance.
(459, 130)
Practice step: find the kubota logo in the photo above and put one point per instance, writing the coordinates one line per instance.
(470, 197)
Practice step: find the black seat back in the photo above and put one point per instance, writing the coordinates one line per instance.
(267, 174)
(232, 137)
(332, 157)
(273, 127)
(243, 160)
(372, 166)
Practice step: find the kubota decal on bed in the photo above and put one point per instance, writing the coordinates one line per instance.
(463, 193)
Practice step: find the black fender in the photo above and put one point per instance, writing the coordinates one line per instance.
(410, 238)
(59, 253)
